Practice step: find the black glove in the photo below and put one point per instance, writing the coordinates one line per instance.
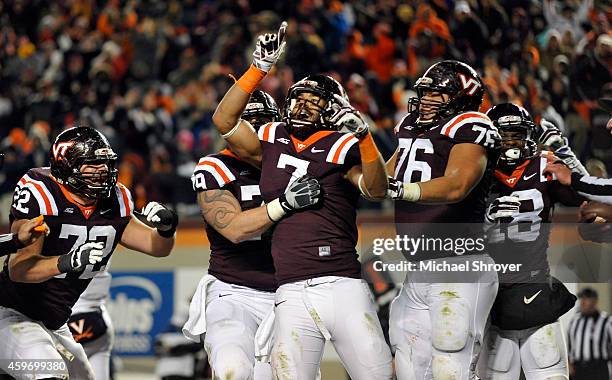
(159, 216)
(302, 193)
(395, 189)
(76, 261)
(550, 135)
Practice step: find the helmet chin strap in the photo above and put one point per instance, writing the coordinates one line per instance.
(425, 122)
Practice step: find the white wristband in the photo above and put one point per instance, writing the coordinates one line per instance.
(232, 131)
(412, 192)
(363, 190)
(275, 210)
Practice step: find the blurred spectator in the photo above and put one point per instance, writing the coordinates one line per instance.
(495, 19)
(543, 108)
(149, 73)
(469, 32)
(591, 70)
(564, 16)
(379, 56)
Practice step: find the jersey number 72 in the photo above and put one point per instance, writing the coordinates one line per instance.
(83, 235)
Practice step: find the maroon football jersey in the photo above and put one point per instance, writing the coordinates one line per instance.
(319, 241)
(523, 239)
(423, 155)
(71, 225)
(248, 263)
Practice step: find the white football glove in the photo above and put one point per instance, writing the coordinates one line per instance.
(503, 207)
(347, 119)
(269, 48)
(76, 260)
(551, 136)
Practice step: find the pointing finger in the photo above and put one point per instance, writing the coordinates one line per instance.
(282, 32)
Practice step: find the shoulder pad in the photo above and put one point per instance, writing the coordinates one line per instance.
(211, 173)
(37, 182)
(471, 127)
(337, 153)
(267, 132)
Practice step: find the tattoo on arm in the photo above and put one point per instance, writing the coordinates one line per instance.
(219, 207)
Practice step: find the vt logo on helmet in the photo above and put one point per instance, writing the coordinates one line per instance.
(84, 162)
(309, 104)
(446, 89)
(517, 131)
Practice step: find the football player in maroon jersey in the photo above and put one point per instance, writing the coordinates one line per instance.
(88, 214)
(442, 170)
(27, 234)
(238, 291)
(525, 329)
(321, 295)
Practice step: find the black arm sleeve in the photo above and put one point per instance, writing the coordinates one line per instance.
(593, 188)
(9, 244)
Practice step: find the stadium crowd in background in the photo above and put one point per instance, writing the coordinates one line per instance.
(149, 74)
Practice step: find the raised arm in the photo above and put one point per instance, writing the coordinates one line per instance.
(239, 134)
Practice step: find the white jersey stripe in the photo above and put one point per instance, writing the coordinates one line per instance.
(352, 141)
(122, 209)
(475, 117)
(596, 181)
(586, 340)
(223, 173)
(454, 129)
(336, 146)
(268, 132)
(217, 169)
(597, 338)
(123, 194)
(543, 163)
(43, 197)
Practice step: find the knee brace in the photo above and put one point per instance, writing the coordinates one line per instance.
(545, 347)
(450, 324)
